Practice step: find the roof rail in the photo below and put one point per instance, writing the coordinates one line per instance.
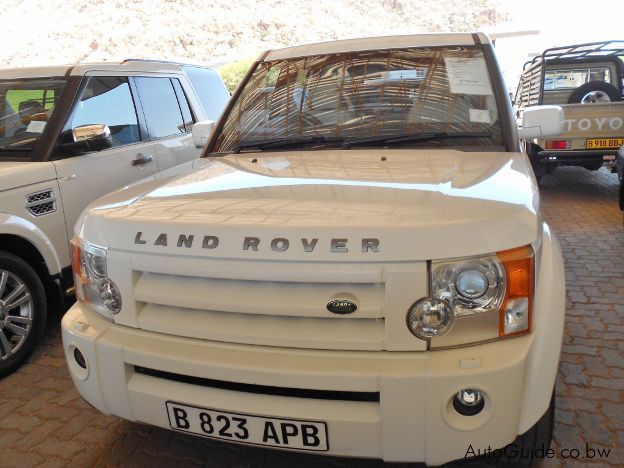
(171, 62)
(148, 60)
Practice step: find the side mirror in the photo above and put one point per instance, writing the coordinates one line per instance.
(540, 122)
(87, 138)
(202, 132)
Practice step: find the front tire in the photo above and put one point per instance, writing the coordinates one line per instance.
(522, 451)
(22, 312)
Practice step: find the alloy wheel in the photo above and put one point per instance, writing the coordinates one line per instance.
(16, 313)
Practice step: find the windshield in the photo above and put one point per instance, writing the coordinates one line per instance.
(26, 105)
(440, 96)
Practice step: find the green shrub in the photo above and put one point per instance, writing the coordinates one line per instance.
(233, 72)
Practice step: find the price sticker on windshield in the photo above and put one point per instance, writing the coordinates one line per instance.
(468, 76)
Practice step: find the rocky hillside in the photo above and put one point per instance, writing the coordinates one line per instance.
(39, 32)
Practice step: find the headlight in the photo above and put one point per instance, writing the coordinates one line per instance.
(471, 286)
(91, 280)
(489, 297)
(428, 318)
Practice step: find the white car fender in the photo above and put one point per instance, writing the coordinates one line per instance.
(18, 226)
(548, 325)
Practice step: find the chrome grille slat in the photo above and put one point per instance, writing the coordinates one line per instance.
(257, 297)
(295, 332)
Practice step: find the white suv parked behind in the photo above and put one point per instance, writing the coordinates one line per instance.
(69, 135)
(357, 266)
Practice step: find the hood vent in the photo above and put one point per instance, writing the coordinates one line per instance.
(41, 203)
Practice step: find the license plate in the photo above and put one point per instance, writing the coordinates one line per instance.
(248, 429)
(604, 143)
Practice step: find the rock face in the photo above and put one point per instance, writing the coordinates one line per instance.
(40, 32)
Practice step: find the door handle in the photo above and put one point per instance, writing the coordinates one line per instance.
(142, 160)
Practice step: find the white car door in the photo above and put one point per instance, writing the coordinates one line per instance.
(169, 120)
(85, 177)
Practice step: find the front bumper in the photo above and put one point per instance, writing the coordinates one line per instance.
(413, 420)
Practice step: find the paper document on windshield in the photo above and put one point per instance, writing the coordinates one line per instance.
(468, 76)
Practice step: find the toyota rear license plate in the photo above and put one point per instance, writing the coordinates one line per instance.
(248, 429)
(604, 143)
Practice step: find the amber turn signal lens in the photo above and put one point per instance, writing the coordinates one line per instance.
(517, 307)
(79, 279)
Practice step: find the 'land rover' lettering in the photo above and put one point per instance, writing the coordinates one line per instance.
(161, 240)
(138, 240)
(186, 241)
(251, 243)
(277, 244)
(210, 242)
(308, 246)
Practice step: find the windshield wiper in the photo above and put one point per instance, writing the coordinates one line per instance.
(281, 142)
(402, 138)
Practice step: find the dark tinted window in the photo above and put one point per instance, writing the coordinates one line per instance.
(108, 100)
(184, 106)
(210, 90)
(160, 104)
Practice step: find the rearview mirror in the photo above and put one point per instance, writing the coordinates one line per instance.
(87, 138)
(540, 122)
(202, 132)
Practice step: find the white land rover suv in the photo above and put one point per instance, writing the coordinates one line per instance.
(357, 266)
(69, 135)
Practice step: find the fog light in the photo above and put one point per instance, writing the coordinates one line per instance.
(110, 295)
(429, 318)
(80, 359)
(468, 402)
(517, 315)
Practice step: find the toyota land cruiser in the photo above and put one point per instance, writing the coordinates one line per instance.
(357, 266)
(587, 81)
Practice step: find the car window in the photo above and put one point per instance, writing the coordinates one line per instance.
(26, 106)
(108, 100)
(184, 105)
(160, 104)
(210, 89)
(573, 78)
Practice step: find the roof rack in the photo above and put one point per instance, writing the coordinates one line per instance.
(530, 88)
(578, 51)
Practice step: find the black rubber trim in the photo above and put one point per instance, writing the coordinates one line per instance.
(261, 389)
(571, 158)
(208, 150)
(476, 39)
(44, 150)
(503, 103)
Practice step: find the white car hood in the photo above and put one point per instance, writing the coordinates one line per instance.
(19, 174)
(419, 204)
